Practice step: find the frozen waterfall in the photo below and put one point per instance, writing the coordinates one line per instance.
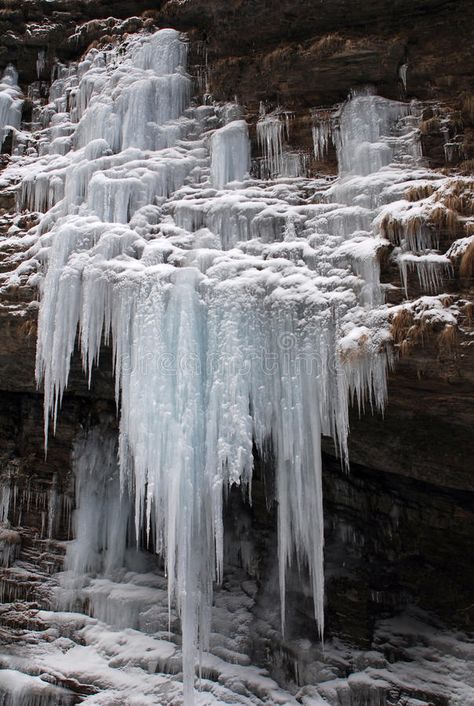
(240, 314)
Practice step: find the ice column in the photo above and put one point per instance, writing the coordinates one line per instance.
(362, 141)
(101, 516)
(230, 153)
(10, 101)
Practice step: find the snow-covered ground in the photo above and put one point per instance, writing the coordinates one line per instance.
(126, 656)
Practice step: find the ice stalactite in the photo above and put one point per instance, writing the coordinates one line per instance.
(322, 133)
(454, 151)
(375, 156)
(401, 207)
(272, 131)
(405, 225)
(239, 313)
(430, 268)
(375, 141)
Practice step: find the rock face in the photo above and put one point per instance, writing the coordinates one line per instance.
(402, 521)
(306, 54)
(313, 53)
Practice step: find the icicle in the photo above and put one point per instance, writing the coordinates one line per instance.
(431, 269)
(453, 151)
(10, 542)
(272, 131)
(19, 689)
(322, 133)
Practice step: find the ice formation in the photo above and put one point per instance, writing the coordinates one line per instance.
(273, 131)
(402, 74)
(11, 102)
(101, 516)
(365, 141)
(322, 133)
(241, 313)
(230, 154)
(431, 270)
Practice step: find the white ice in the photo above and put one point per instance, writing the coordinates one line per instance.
(11, 102)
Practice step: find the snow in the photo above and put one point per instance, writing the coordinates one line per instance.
(17, 689)
(109, 665)
(459, 247)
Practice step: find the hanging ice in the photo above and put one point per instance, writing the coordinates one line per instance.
(322, 133)
(239, 317)
(430, 268)
(272, 129)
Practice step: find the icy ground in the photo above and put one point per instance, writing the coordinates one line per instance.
(132, 660)
(242, 312)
